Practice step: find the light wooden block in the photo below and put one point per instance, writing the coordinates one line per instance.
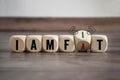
(34, 43)
(99, 43)
(82, 40)
(66, 43)
(50, 43)
(17, 43)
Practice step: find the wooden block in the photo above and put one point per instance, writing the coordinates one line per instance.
(99, 43)
(50, 43)
(82, 40)
(17, 43)
(34, 43)
(66, 43)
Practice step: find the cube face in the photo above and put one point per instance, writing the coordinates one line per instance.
(83, 46)
(50, 43)
(83, 35)
(99, 43)
(66, 43)
(17, 43)
(34, 43)
(82, 40)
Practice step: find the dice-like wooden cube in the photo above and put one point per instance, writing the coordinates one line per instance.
(34, 43)
(66, 43)
(50, 43)
(99, 43)
(82, 40)
(17, 43)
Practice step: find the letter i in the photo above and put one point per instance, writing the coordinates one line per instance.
(82, 34)
(16, 44)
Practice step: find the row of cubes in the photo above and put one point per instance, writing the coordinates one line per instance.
(80, 41)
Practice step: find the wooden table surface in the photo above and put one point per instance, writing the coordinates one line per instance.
(60, 66)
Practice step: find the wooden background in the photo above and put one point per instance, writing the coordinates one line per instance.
(59, 66)
(59, 24)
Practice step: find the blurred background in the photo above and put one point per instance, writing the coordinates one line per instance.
(59, 8)
(59, 15)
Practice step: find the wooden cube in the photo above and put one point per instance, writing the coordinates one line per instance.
(99, 43)
(50, 43)
(17, 43)
(66, 43)
(34, 43)
(82, 40)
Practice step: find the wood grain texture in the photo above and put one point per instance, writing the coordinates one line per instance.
(59, 24)
(61, 66)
